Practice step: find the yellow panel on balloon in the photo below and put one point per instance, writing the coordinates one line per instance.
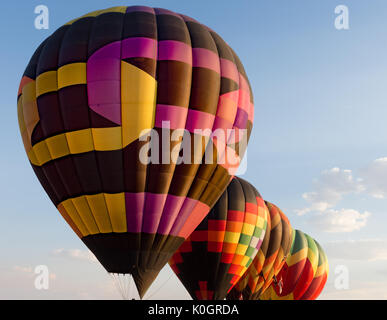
(107, 139)
(46, 82)
(98, 207)
(73, 213)
(72, 74)
(138, 102)
(82, 206)
(117, 211)
(80, 141)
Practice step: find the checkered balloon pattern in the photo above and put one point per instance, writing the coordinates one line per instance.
(223, 246)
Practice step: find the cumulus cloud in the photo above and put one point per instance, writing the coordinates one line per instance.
(333, 185)
(343, 220)
(75, 254)
(329, 189)
(374, 178)
(362, 249)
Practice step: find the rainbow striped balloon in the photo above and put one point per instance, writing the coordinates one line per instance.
(304, 274)
(269, 260)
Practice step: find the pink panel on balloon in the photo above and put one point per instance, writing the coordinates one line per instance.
(205, 58)
(174, 50)
(198, 120)
(244, 94)
(104, 82)
(172, 207)
(139, 47)
(197, 215)
(174, 114)
(185, 210)
(229, 70)
(134, 203)
(153, 208)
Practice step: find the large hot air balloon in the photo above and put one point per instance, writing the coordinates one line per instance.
(222, 247)
(269, 260)
(96, 99)
(304, 274)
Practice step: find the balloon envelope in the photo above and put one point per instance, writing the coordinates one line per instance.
(304, 274)
(269, 260)
(98, 94)
(222, 247)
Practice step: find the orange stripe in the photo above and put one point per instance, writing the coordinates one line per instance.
(23, 82)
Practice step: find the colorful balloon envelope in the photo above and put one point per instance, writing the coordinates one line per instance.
(304, 274)
(225, 243)
(96, 99)
(269, 260)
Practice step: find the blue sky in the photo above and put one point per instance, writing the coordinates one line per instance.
(318, 148)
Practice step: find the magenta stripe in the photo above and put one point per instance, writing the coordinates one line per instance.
(174, 50)
(109, 111)
(151, 213)
(241, 119)
(154, 204)
(199, 120)
(140, 8)
(111, 50)
(229, 70)
(185, 211)
(103, 72)
(139, 47)
(103, 68)
(134, 203)
(105, 63)
(205, 58)
(172, 207)
(104, 92)
(174, 114)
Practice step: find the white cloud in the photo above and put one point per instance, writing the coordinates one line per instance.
(343, 220)
(333, 185)
(374, 178)
(76, 254)
(329, 189)
(362, 250)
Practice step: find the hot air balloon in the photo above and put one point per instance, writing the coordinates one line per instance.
(96, 99)
(269, 260)
(222, 247)
(304, 274)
